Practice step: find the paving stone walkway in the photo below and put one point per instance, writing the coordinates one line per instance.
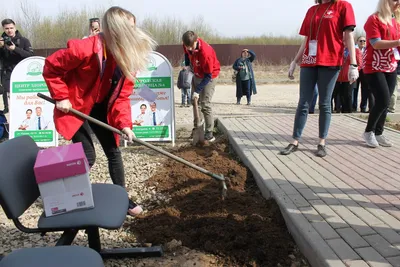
(342, 210)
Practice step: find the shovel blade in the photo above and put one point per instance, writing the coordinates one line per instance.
(198, 135)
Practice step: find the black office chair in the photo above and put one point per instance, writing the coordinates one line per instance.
(19, 190)
(60, 256)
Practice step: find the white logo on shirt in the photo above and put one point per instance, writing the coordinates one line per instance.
(329, 14)
(382, 61)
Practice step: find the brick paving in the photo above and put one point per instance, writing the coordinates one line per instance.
(342, 210)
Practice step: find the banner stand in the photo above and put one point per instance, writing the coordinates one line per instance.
(29, 114)
(153, 102)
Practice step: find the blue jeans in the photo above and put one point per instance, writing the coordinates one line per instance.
(325, 78)
(186, 93)
(311, 109)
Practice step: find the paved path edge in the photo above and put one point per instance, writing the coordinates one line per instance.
(310, 243)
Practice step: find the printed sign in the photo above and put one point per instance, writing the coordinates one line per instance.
(29, 114)
(152, 101)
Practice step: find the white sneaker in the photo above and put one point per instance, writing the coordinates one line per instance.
(370, 139)
(383, 141)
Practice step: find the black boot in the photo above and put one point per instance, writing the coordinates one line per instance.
(5, 101)
(289, 149)
(321, 151)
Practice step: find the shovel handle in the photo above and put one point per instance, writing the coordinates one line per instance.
(83, 115)
(196, 111)
(165, 153)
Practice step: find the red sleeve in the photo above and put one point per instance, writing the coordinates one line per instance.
(397, 27)
(208, 65)
(371, 28)
(358, 58)
(398, 33)
(121, 109)
(305, 26)
(57, 65)
(347, 15)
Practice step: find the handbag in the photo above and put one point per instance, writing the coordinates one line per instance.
(235, 72)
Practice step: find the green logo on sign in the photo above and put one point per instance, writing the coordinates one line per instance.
(151, 64)
(154, 82)
(34, 68)
(37, 136)
(151, 131)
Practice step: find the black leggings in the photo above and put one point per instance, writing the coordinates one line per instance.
(382, 85)
(342, 96)
(6, 87)
(246, 90)
(107, 141)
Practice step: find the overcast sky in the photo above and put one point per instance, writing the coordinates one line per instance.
(227, 17)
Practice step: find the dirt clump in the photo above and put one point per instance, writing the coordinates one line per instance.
(243, 230)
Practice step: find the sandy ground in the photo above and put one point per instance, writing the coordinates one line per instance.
(269, 99)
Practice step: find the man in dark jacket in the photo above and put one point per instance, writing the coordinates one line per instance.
(13, 49)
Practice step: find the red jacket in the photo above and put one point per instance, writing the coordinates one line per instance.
(74, 73)
(204, 60)
(344, 72)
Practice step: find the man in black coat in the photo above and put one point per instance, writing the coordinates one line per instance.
(13, 49)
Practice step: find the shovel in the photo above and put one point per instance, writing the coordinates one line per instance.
(220, 178)
(198, 130)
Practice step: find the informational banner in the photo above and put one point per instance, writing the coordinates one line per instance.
(29, 114)
(152, 101)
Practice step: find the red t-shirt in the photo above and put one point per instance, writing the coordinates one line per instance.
(204, 60)
(381, 60)
(344, 72)
(333, 18)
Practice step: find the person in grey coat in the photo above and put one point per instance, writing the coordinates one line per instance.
(245, 81)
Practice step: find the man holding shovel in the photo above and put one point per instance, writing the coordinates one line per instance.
(206, 67)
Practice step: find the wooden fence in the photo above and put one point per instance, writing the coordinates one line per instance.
(226, 53)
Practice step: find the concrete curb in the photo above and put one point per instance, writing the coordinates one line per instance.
(309, 241)
(354, 117)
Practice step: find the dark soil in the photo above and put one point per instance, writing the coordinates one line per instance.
(394, 125)
(243, 230)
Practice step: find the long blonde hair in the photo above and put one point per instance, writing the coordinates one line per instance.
(129, 45)
(384, 12)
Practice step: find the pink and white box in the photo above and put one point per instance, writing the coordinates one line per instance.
(62, 174)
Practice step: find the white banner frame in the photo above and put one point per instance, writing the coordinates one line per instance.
(26, 81)
(161, 85)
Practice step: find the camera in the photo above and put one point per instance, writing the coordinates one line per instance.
(7, 40)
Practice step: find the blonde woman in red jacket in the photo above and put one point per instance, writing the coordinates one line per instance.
(343, 92)
(95, 76)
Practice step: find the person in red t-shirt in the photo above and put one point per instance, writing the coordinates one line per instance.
(343, 92)
(380, 64)
(206, 67)
(320, 57)
(95, 76)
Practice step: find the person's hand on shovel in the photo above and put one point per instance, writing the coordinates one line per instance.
(64, 105)
(195, 95)
(128, 134)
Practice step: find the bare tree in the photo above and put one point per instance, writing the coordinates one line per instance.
(30, 18)
(54, 32)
